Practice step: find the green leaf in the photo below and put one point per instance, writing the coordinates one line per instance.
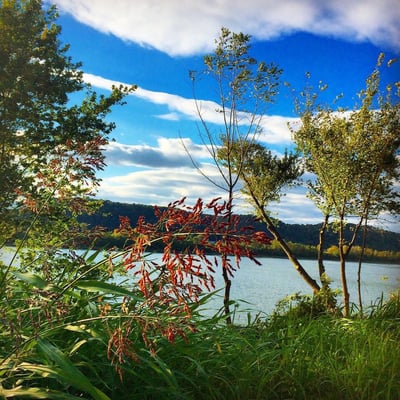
(91, 256)
(31, 279)
(77, 346)
(67, 372)
(98, 286)
(75, 328)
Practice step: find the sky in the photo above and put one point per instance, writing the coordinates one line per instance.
(154, 44)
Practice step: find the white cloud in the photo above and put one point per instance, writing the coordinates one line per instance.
(102, 83)
(163, 186)
(178, 105)
(185, 27)
(274, 127)
(296, 208)
(169, 152)
(172, 116)
(160, 186)
(181, 105)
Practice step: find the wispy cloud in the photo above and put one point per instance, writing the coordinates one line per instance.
(275, 129)
(161, 186)
(172, 116)
(164, 185)
(189, 27)
(169, 153)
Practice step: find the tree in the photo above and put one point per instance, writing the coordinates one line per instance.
(245, 87)
(50, 148)
(264, 177)
(354, 156)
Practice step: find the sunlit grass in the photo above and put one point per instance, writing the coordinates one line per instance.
(55, 344)
(296, 358)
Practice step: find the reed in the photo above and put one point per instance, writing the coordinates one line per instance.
(73, 335)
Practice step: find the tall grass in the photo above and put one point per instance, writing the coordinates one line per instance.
(302, 358)
(68, 334)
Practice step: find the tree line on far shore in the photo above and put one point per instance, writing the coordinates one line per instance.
(381, 245)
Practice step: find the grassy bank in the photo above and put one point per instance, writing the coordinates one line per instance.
(288, 357)
(67, 333)
(294, 354)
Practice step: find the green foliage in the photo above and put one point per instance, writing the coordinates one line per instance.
(264, 175)
(300, 306)
(65, 325)
(296, 357)
(56, 336)
(389, 309)
(245, 87)
(354, 158)
(246, 84)
(50, 150)
(352, 154)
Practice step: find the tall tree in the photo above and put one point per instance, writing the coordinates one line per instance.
(354, 156)
(264, 178)
(245, 87)
(50, 148)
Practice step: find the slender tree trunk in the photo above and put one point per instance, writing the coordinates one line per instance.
(299, 268)
(321, 266)
(225, 275)
(346, 295)
(364, 239)
(227, 295)
(272, 229)
(360, 261)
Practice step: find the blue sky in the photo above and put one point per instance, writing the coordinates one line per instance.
(153, 44)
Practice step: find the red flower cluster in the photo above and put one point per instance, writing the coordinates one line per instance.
(194, 243)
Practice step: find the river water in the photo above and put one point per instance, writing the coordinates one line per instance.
(258, 288)
(262, 286)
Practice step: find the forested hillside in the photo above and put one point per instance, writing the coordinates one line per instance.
(108, 217)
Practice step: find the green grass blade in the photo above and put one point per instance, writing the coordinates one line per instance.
(67, 371)
(99, 286)
(31, 279)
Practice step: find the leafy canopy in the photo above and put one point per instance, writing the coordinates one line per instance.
(50, 147)
(353, 154)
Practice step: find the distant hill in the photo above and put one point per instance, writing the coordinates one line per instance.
(108, 217)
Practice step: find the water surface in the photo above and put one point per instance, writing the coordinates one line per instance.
(262, 286)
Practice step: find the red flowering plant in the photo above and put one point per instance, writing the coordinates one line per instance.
(194, 242)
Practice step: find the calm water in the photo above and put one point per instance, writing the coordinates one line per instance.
(263, 286)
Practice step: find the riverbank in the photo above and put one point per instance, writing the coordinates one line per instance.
(294, 354)
(69, 331)
(288, 357)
